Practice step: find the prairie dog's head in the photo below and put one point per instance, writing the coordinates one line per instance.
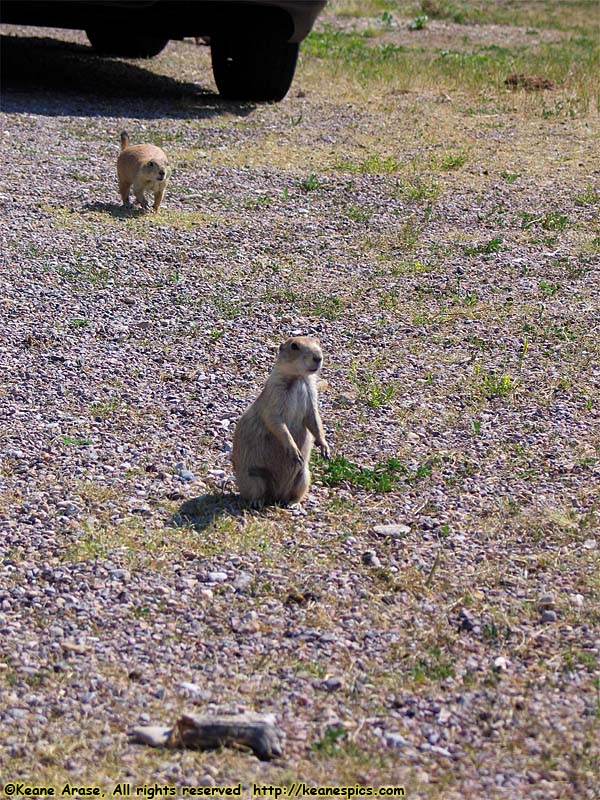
(300, 355)
(156, 169)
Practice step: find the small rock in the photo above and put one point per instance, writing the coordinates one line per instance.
(590, 544)
(395, 740)
(546, 601)
(193, 690)
(577, 600)
(153, 735)
(346, 399)
(466, 620)
(207, 780)
(501, 664)
(216, 577)
(548, 615)
(187, 475)
(394, 531)
(137, 507)
(442, 751)
(369, 557)
(333, 684)
(243, 581)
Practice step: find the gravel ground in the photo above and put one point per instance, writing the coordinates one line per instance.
(456, 654)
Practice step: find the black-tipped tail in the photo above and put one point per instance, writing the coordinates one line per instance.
(124, 140)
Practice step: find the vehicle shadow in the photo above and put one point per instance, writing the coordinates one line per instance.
(200, 512)
(52, 77)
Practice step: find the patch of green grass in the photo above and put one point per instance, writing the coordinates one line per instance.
(383, 477)
(105, 408)
(77, 322)
(549, 289)
(256, 203)
(551, 221)
(589, 197)
(372, 391)
(372, 165)
(510, 177)
(329, 745)
(570, 62)
(450, 161)
(77, 441)
(389, 299)
(574, 15)
(555, 221)
(475, 427)
(432, 668)
(418, 189)
(228, 308)
(325, 306)
(459, 12)
(350, 49)
(410, 266)
(358, 214)
(486, 248)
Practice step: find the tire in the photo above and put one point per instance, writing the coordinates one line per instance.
(111, 42)
(259, 66)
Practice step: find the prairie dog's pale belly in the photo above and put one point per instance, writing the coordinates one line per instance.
(297, 402)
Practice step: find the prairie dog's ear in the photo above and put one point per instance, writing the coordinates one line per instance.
(281, 346)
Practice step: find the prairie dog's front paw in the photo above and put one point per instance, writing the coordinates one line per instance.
(325, 450)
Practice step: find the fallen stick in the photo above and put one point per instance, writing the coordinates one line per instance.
(253, 731)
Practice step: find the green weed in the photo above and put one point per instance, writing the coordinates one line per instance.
(418, 23)
(496, 385)
(311, 183)
(487, 248)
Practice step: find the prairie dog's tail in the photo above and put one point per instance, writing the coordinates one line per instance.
(124, 140)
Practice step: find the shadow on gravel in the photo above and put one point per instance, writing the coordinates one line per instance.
(56, 78)
(201, 511)
(116, 210)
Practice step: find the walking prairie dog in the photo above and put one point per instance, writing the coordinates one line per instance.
(274, 437)
(143, 167)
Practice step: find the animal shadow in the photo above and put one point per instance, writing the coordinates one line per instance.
(200, 512)
(116, 210)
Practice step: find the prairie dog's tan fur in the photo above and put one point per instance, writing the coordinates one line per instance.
(274, 437)
(143, 167)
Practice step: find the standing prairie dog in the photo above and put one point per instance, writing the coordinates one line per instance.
(274, 437)
(144, 167)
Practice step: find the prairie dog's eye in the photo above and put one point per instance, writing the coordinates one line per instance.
(295, 346)
(151, 164)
